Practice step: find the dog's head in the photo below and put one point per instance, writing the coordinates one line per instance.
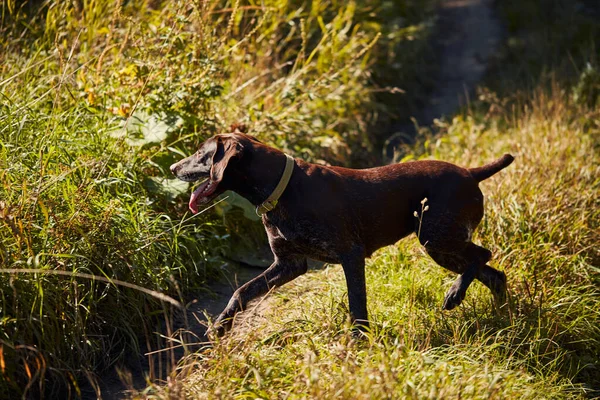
(209, 164)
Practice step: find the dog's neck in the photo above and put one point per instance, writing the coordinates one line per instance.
(257, 177)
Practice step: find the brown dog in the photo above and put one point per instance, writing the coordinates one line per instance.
(342, 215)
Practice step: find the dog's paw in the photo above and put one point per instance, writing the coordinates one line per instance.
(219, 328)
(360, 329)
(454, 297)
(215, 332)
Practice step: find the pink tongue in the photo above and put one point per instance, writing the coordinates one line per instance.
(194, 199)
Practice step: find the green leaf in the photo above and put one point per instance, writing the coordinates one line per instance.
(143, 128)
(151, 128)
(169, 188)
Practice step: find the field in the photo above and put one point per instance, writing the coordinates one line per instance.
(98, 250)
(543, 344)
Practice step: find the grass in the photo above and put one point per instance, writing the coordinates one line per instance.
(98, 98)
(541, 223)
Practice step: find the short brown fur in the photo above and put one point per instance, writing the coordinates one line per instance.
(342, 215)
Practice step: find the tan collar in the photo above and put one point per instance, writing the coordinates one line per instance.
(271, 201)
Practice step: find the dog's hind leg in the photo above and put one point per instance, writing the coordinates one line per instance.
(279, 273)
(466, 259)
(458, 290)
(495, 280)
(446, 235)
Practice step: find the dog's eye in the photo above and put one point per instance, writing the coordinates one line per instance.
(202, 157)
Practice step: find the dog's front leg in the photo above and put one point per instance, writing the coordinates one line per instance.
(281, 271)
(354, 270)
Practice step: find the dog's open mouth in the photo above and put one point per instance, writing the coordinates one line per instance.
(202, 194)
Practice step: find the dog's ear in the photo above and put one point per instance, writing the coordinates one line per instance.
(227, 149)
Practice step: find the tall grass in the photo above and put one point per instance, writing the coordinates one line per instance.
(97, 99)
(541, 224)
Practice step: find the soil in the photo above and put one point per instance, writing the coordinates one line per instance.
(467, 38)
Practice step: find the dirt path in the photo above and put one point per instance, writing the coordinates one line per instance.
(468, 35)
(137, 368)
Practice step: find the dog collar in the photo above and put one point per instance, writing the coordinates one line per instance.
(271, 201)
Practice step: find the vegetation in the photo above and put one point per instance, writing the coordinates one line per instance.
(98, 98)
(541, 223)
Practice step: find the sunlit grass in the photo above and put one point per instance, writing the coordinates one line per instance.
(98, 98)
(96, 102)
(541, 224)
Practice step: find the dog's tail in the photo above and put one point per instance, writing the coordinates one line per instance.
(482, 173)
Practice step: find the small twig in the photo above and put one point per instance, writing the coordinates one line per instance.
(424, 208)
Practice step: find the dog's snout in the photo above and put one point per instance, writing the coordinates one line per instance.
(173, 168)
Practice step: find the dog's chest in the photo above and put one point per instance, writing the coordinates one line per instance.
(302, 237)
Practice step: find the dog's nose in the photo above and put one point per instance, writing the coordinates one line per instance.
(173, 168)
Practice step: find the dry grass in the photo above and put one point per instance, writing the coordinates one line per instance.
(97, 99)
(542, 217)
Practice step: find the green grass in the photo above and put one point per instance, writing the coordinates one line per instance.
(541, 223)
(98, 99)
